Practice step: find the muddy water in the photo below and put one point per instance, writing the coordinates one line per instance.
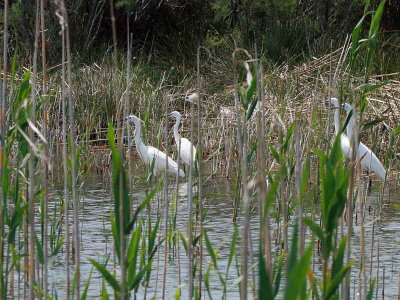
(97, 240)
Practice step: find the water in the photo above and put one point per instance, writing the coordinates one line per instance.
(97, 237)
(96, 240)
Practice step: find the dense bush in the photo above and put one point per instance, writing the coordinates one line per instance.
(281, 28)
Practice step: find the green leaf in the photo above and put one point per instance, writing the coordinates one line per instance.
(243, 99)
(210, 249)
(287, 138)
(274, 152)
(84, 294)
(39, 249)
(355, 37)
(119, 181)
(337, 263)
(265, 289)
(293, 249)
(373, 34)
(371, 290)
(304, 179)
(373, 123)
(16, 219)
(133, 250)
(278, 274)
(251, 153)
(396, 206)
(271, 194)
(111, 280)
(396, 131)
(152, 237)
(347, 121)
(251, 89)
(58, 246)
(232, 250)
(314, 228)
(251, 109)
(297, 276)
(207, 281)
(104, 293)
(184, 242)
(336, 280)
(367, 88)
(135, 283)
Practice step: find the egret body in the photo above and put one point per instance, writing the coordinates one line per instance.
(149, 154)
(184, 144)
(365, 156)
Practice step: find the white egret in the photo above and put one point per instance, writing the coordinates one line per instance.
(150, 154)
(368, 158)
(185, 144)
(365, 156)
(193, 98)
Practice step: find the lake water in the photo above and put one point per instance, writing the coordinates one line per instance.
(96, 239)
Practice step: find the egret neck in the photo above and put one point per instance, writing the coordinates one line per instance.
(337, 119)
(141, 147)
(176, 133)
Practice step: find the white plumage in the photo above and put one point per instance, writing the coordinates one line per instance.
(150, 154)
(365, 156)
(185, 144)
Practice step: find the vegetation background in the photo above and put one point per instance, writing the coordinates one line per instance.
(166, 35)
(170, 31)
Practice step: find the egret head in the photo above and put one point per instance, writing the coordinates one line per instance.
(134, 119)
(194, 98)
(334, 102)
(175, 114)
(347, 107)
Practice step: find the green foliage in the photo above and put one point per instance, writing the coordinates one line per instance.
(39, 250)
(111, 280)
(297, 269)
(334, 179)
(85, 291)
(137, 266)
(214, 265)
(370, 294)
(369, 44)
(119, 181)
(265, 289)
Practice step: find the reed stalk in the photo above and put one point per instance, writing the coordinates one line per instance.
(377, 270)
(242, 142)
(45, 150)
(119, 114)
(350, 214)
(32, 258)
(72, 154)
(190, 208)
(3, 106)
(176, 239)
(3, 287)
(265, 230)
(166, 200)
(127, 106)
(199, 166)
(64, 159)
(362, 274)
